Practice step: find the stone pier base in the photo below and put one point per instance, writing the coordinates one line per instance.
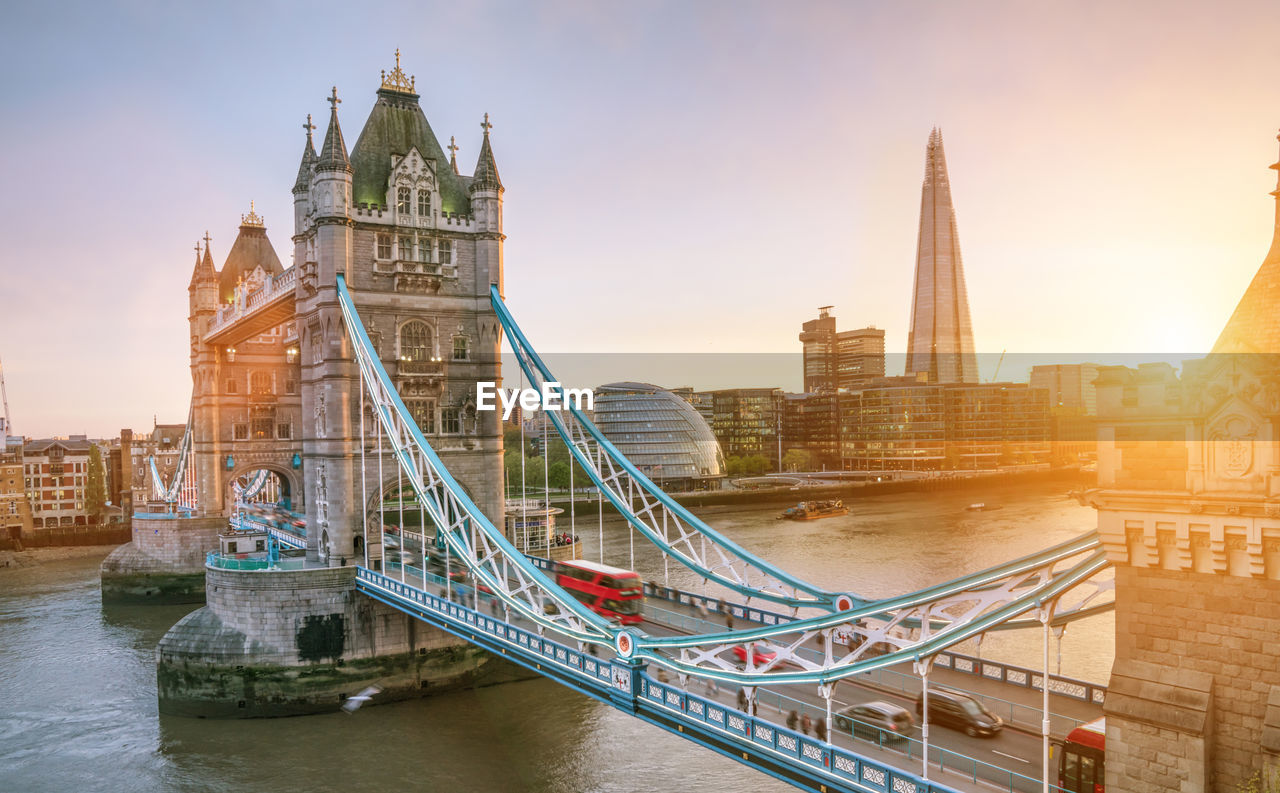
(282, 643)
(164, 561)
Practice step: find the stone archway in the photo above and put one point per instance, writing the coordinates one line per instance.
(291, 494)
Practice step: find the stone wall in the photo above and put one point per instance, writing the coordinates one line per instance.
(276, 643)
(163, 562)
(1184, 632)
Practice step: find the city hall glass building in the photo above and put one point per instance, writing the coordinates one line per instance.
(661, 433)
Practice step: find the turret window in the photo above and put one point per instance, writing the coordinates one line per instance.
(406, 249)
(384, 246)
(459, 348)
(424, 202)
(446, 252)
(424, 249)
(402, 200)
(415, 342)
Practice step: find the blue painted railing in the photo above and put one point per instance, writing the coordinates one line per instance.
(789, 755)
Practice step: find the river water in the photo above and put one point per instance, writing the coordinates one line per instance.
(80, 713)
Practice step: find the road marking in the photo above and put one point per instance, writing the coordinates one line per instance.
(1011, 757)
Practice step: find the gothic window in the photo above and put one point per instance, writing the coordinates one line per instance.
(451, 421)
(446, 251)
(231, 385)
(284, 431)
(262, 423)
(415, 342)
(424, 202)
(384, 246)
(291, 386)
(406, 249)
(459, 348)
(260, 383)
(424, 414)
(402, 200)
(241, 432)
(424, 249)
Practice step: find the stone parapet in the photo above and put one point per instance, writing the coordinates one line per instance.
(1224, 536)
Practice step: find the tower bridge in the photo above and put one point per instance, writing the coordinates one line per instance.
(352, 374)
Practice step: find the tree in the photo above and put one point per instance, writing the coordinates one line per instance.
(95, 489)
(558, 475)
(798, 460)
(755, 465)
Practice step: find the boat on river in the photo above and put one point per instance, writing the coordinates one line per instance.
(982, 507)
(815, 510)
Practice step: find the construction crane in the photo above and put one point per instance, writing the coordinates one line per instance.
(995, 377)
(4, 397)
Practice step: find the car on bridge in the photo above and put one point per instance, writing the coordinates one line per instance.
(877, 721)
(759, 655)
(959, 711)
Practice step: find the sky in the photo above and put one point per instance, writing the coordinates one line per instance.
(693, 177)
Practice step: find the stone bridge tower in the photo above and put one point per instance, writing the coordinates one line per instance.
(419, 245)
(1189, 511)
(246, 405)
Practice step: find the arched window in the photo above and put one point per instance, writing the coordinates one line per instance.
(415, 342)
(260, 383)
(424, 202)
(459, 348)
(402, 200)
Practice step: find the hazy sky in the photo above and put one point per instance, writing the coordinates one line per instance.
(691, 176)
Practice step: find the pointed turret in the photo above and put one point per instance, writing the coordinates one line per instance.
(307, 166)
(486, 173)
(333, 152)
(1254, 326)
(940, 343)
(204, 271)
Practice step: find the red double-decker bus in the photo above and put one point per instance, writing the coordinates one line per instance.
(1080, 758)
(609, 591)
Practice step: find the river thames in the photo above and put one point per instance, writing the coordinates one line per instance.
(79, 681)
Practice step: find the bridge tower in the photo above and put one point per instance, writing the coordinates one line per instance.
(1189, 511)
(419, 246)
(277, 387)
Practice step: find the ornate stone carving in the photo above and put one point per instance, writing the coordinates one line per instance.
(319, 411)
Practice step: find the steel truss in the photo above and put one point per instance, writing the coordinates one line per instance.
(1054, 586)
(666, 523)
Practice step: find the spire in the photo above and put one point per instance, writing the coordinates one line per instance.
(203, 270)
(1252, 327)
(333, 152)
(308, 160)
(940, 342)
(453, 153)
(486, 174)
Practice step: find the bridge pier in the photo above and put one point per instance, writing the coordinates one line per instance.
(291, 642)
(164, 562)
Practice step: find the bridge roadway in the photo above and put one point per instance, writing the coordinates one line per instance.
(1009, 761)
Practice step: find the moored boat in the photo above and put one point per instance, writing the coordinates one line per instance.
(814, 510)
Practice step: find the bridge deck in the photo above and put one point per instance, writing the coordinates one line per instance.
(1009, 761)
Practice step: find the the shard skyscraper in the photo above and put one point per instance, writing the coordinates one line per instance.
(940, 342)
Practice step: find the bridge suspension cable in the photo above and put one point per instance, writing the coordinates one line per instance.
(676, 531)
(466, 532)
(1065, 578)
(176, 492)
